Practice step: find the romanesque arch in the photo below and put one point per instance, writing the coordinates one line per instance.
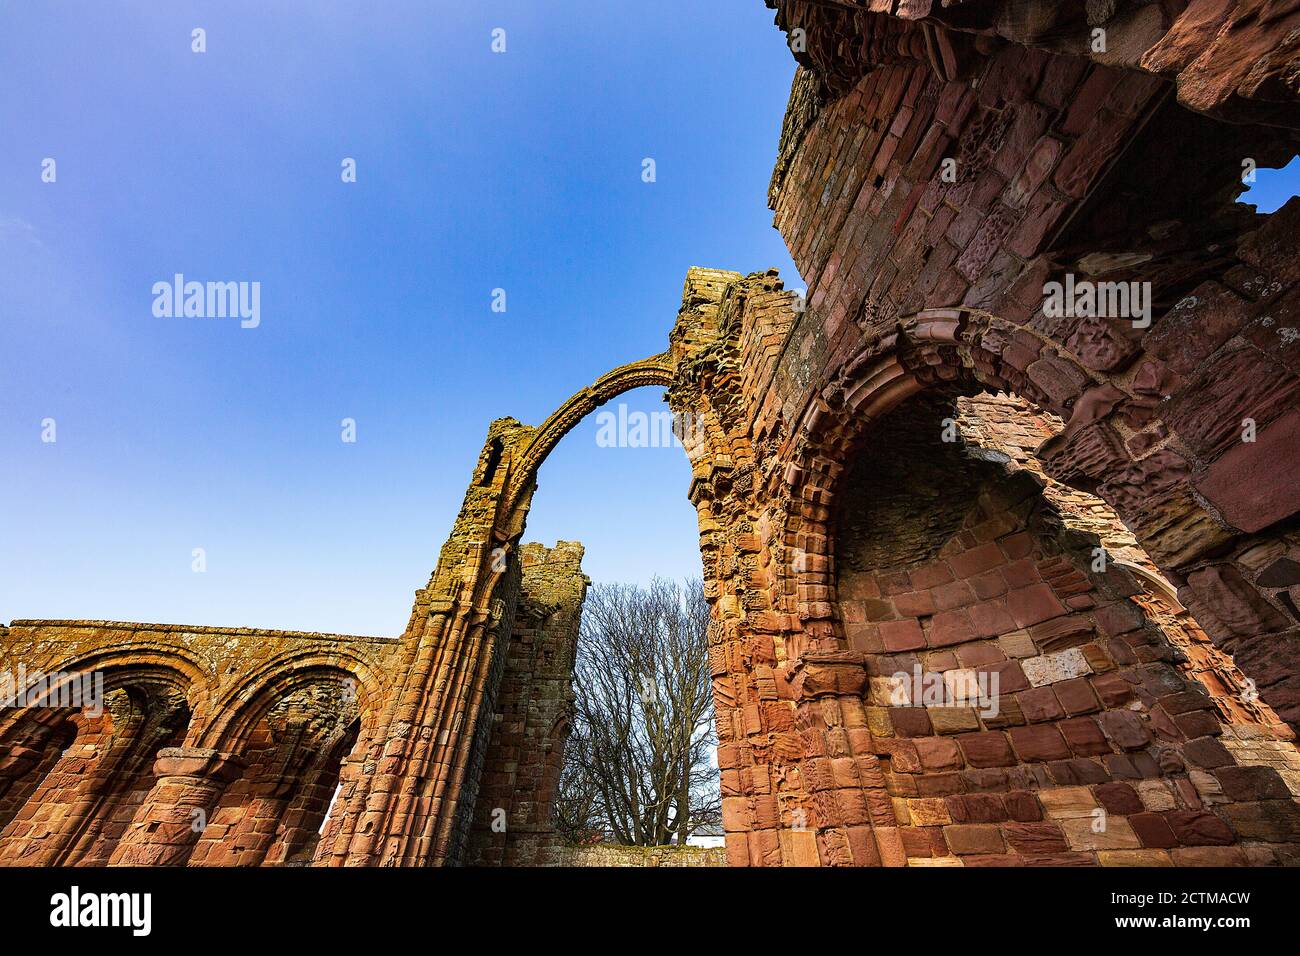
(656, 370)
(945, 566)
(513, 823)
(291, 728)
(808, 765)
(438, 722)
(109, 780)
(1107, 447)
(243, 704)
(99, 757)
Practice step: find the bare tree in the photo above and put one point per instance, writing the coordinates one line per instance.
(639, 761)
(578, 816)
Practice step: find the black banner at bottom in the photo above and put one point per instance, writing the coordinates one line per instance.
(496, 907)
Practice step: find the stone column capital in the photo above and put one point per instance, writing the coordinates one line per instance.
(199, 762)
(829, 673)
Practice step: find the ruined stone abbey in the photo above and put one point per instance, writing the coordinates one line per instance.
(1034, 425)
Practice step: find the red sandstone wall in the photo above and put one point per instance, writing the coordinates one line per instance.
(815, 769)
(1227, 57)
(1060, 166)
(980, 575)
(245, 727)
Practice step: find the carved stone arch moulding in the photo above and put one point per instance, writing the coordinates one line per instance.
(361, 686)
(183, 672)
(656, 370)
(1115, 444)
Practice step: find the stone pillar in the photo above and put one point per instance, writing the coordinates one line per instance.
(190, 781)
(856, 824)
(55, 798)
(429, 743)
(241, 830)
(513, 821)
(298, 830)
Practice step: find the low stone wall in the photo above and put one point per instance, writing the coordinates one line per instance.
(632, 856)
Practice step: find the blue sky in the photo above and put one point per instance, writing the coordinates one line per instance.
(475, 171)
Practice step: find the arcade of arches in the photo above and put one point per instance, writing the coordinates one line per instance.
(919, 468)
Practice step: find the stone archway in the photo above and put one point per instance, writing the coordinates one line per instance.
(441, 717)
(952, 576)
(655, 370)
(802, 769)
(967, 349)
(87, 790)
(949, 347)
(290, 741)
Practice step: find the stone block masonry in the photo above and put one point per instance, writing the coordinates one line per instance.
(514, 820)
(1088, 695)
(214, 745)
